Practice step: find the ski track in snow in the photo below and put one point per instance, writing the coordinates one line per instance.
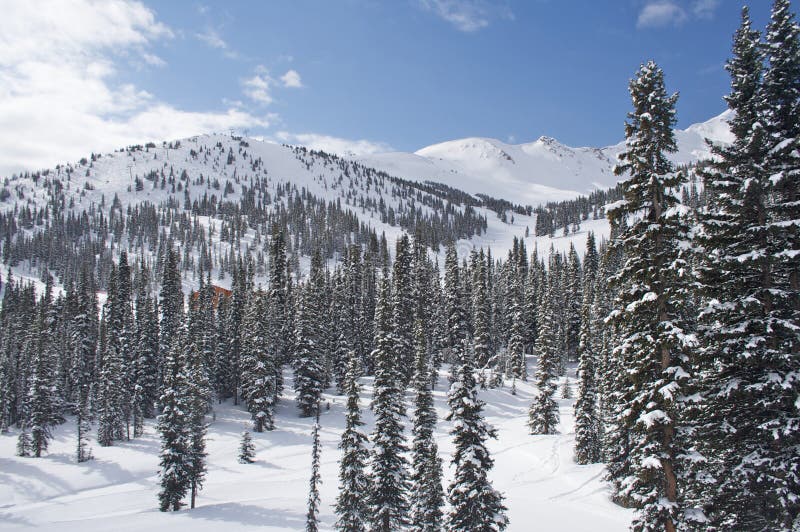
(544, 489)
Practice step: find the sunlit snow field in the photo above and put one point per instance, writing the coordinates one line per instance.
(544, 488)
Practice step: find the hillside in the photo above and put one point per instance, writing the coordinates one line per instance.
(221, 195)
(117, 490)
(535, 172)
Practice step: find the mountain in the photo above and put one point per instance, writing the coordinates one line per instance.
(535, 172)
(218, 196)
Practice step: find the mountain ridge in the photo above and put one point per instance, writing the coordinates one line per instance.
(538, 171)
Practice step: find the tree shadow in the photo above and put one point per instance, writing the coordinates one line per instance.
(249, 515)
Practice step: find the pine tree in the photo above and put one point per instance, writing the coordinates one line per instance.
(781, 117)
(587, 423)
(145, 360)
(543, 414)
(171, 304)
(403, 308)
(308, 363)
(588, 446)
(312, 517)
(455, 315)
(351, 504)
(649, 308)
(475, 504)
(278, 308)
(198, 397)
(573, 302)
(740, 482)
(247, 450)
(258, 367)
(41, 393)
(83, 425)
(110, 414)
(516, 339)
(389, 496)
(24, 444)
(426, 477)
(175, 428)
(480, 313)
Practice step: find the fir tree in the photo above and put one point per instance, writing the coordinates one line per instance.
(351, 504)
(781, 93)
(41, 393)
(427, 493)
(649, 307)
(247, 450)
(312, 517)
(475, 504)
(197, 396)
(175, 429)
(588, 446)
(740, 482)
(308, 363)
(24, 444)
(543, 414)
(258, 368)
(403, 308)
(389, 479)
(587, 423)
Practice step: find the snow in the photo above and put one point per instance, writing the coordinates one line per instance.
(536, 172)
(117, 490)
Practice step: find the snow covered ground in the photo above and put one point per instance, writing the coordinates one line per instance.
(544, 488)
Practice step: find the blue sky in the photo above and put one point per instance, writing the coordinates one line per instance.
(359, 75)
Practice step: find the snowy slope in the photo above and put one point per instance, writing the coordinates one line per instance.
(544, 488)
(536, 172)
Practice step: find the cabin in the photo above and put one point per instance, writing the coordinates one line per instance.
(219, 293)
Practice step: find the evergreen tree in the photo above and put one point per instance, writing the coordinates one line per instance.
(258, 366)
(389, 479)
(781, 91)
(427, 493)
(587, 423)
(312, 518)
(480, 313)
(41, 402)
(175, 428)
(475, 504)
(741, 480)
(24, 444)
(455, 316)
(308, 364)
(278, 308)
(351, 504)
(110, 385)
(247, 450)
(543, 414)
(649, 306)
(198, 397)
(171, 307)
(403, 308)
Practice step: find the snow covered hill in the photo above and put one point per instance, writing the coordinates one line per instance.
(544, 488)
(535, 172)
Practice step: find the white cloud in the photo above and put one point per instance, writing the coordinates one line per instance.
(257, 88)
(153, 60)
(292, 79)
(705, 8)
(467, 15)
(330, 144)
(212, 39)
(661, 13)
(58, 95)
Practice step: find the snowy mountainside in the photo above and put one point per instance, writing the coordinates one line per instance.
(543, 487)
(218, 195)
(535, 172)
